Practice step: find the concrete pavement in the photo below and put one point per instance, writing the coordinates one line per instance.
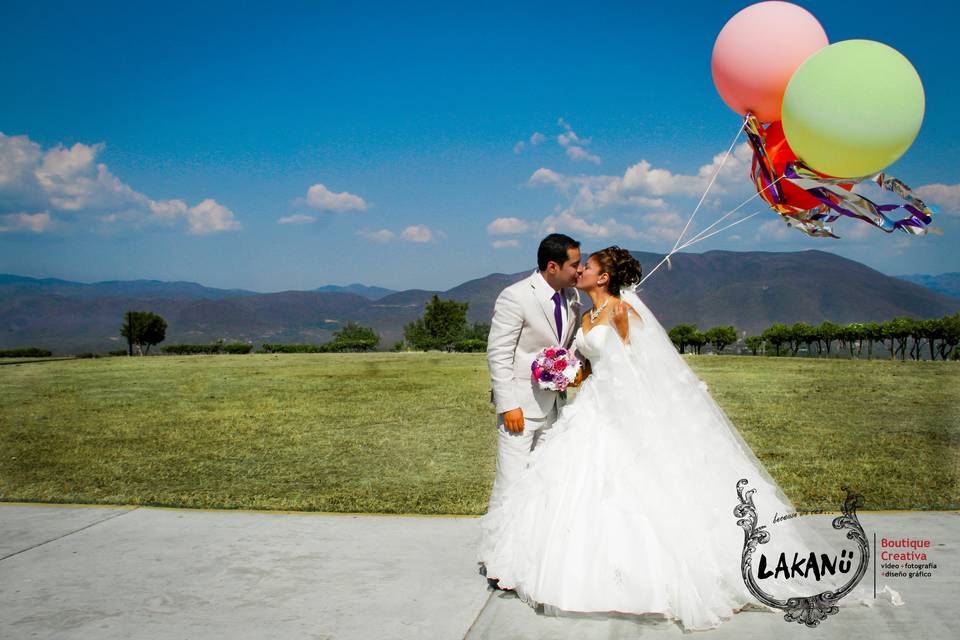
(123, 572)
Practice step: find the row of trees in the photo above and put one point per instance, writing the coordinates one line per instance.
(144, 329)
(444, 326)
(687, 335)
(901, 337)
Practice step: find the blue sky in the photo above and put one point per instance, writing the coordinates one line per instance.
(295, 145)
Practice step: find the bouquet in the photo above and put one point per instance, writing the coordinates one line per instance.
(555, 368)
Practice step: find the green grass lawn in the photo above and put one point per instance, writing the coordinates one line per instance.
(415, 433)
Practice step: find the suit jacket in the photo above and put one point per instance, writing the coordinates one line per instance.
(523, 325)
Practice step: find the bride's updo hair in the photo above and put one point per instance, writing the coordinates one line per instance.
(624, 270)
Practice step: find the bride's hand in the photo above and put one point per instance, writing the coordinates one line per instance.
(579, 379)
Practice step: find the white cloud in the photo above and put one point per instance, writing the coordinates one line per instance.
(566, 221)
(644, 194)
(379, 236)
(544, 176)
(579, 153)
(417, 233)
(35, 222)
(298, 218)
(506, 244)
(210, 217)
(945, 196)
(319, 197)
(662, 182)
(503, 226)
(536, 139)
(775, 230)
(574, 144)
(67, 183)
(591, 193)
(168, 210)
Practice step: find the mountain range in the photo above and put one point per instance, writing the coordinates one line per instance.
(749, 290)
(945, 283)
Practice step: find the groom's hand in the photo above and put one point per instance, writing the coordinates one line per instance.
(513, 420)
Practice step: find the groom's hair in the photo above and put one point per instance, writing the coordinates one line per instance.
(554, 248)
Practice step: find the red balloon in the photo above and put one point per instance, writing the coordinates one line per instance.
(780, 154)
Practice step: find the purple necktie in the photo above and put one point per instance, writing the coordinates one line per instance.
(556, 313)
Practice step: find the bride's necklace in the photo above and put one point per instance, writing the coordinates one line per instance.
(595, 313)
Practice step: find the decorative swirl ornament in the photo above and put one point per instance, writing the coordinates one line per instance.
(807, 610)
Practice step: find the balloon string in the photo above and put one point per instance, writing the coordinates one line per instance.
(699, 236)
(732, 224)
(710, 184)
(713, 179)
(730, 213)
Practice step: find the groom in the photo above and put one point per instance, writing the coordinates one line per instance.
(540, 311)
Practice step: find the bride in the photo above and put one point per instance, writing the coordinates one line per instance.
(629, 508)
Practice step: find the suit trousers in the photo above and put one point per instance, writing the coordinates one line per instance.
(513, 450)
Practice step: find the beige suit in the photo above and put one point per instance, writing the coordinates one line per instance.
(523, 325)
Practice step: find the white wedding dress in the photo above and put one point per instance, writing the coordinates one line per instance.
(629, 506)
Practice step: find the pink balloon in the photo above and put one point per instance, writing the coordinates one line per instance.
(758, 50)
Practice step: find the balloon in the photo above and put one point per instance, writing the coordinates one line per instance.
(780, 154)
(758, 50)
(853, 108)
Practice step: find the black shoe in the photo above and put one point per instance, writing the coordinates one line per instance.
(494, 584)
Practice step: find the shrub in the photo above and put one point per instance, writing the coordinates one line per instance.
(207, 349)
(470, 345)
(237, 348)
(117, 352)
(293, 348)
(190, 349)
(26, 352)
(356, 345)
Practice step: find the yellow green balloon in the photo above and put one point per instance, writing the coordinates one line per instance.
(853, 108)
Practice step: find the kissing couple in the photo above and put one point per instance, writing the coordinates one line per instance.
(621, 499)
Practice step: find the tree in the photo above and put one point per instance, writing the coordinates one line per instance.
(929, 331)
(828, 333)
(872, 332)
(354, 337)
(443, 323)
(898, 331)
(799, 333)
(776, 334)
(754, 343)
(697, 340)
(850, 335)
(949, 334)
(143, 328)
(479, 331)
(720, 337)
(682, 335)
